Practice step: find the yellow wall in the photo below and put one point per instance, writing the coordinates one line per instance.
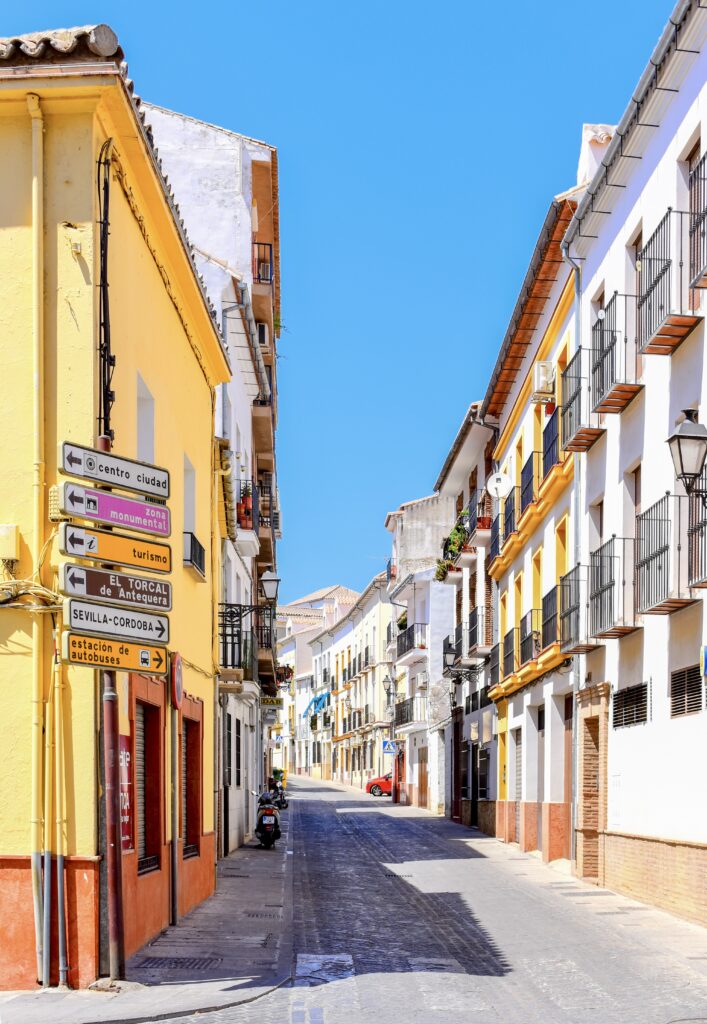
(149, 337)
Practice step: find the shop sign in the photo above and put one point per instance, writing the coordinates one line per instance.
(115, 587)
(271, 702)
(105, 468)
(114, 548)
(126, 795)
(114, 621)
(114, 509)
(99, 652)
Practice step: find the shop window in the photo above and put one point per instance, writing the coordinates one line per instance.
(148, 785)
(191, 787)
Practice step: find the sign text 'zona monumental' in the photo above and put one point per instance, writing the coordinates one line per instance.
(106, 468)
(114, 509)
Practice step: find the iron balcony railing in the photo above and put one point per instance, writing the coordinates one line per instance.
(697, 534)
(480, 629)
(530, 480)
(458, 539)
(391, 570)
(413, 636)
(325, 675)
(237, 642)
(510, 512)
(247, 505)
(389, 633)
(662, 557)
(265, 486)
(366, 657)
(574, 624)
(580, 427)
(510, 652)
(494, 665)
(262, 263)
(550, 618)
(551, 442)
(615, 355)
(472, 514)
(667, 305)
(194, 554)
(530, 635)
(611, 590)
(495, 543)
(483, 515)
(410, 710)
(698, 224)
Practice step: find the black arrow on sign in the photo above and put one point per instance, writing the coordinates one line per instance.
(158, 659)
(73, 460)
(75, 499)
(160, 628)
(73, 579)
(75, 541)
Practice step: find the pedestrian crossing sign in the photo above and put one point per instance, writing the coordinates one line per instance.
(389, 747)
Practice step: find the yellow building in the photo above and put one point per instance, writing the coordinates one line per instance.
(138, 359)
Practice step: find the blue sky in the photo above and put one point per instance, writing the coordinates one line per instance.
(419, 149)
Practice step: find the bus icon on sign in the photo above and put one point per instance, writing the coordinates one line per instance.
(144, 659)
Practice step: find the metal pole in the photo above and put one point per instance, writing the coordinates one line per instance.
(174, 905)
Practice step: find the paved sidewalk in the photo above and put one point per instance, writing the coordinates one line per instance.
(233, 948)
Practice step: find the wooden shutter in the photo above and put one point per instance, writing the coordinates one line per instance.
(184, 780)
(630, 706)
(140, 780)
(685, 691)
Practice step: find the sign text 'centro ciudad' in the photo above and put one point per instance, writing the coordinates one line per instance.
(114, 509)
(110, 620)
(105, 468)
(114, 548)
(115, 587)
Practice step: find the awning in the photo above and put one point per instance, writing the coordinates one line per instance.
(316, 704)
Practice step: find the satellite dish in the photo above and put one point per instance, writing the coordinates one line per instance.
(499, 485)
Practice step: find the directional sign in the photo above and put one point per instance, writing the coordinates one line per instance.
(112, 469)
(114, 509)
(114, 548)
(389, 747)
(115, 587)
(116, 654)
(108, 620)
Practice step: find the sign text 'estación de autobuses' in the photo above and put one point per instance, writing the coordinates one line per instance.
(114, 548)
(105, 468)
(114, 621)
(114, 509)
(123, 588)
(120, 655)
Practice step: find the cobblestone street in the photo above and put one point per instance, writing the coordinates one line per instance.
(400, 914)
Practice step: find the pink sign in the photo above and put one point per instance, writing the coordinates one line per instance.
(126, 793)
(128, 513)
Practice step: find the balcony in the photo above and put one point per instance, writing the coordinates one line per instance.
(697, 535)
(262, 263)
(411, 643)
(390, 633)
(551, 442)
(263, 427)
(667, 305)
(611, 592)
(530, 636)
(366, 657)
(530, 480)
(411, 712)
(266, 539)
(480, 633)
(574, 627)
(495, 665)
(550, 625)
(662, 584)
(615, 356)
(325, 675)
(495, 539)
(698, 224)
(580, 426)
(456, 547)
(391, 571)
(510, 653)
(247, 518)
(326, 720)
(511, 513)
(237, 643)
(480, 519)
(194, 555)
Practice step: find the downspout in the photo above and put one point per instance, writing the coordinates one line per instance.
(35, 113)
(59, 808)
(577, 270)
(47, 907)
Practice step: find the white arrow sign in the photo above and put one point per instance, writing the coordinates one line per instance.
(118, 623)
(112, 469)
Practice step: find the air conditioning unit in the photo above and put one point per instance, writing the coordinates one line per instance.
(543, 382)
(263, 334)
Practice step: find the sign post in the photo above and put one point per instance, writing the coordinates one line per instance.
(114, 548)
(117, 623)
(113, 470)
(115, 587)
(117, 655)
(114, 509)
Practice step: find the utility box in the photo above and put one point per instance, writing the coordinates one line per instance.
(9, 542)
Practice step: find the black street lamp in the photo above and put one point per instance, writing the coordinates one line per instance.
(387, 686)
(449, 658)
(688, 447)
(270, 583)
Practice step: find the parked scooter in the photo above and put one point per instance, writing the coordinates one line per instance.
(267, 827)
(279, 795)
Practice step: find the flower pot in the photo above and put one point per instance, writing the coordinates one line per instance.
(484, 522)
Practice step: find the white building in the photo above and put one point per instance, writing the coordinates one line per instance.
(228, 188)
(642, 544)
(423, 617)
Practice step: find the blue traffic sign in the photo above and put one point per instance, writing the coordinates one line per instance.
(389, 747)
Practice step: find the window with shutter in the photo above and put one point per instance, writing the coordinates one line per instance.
(238, 751)
(686, 691)
(140, 780)
(630, 706)
(148, 780)
(191, 787)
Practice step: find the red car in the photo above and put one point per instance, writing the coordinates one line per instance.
(380, 786)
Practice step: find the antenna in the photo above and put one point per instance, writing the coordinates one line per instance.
(499, 485)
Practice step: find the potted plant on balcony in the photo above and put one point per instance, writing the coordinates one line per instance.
(444, 567)
(247, 498)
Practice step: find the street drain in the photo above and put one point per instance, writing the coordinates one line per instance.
(179, 963)
(261, 914)
(394, 874)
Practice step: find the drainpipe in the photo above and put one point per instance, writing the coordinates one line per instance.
(47, 907)
(577, 270)
(59, 809)
(35, 114)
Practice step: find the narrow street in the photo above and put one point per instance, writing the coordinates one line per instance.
(400, 914)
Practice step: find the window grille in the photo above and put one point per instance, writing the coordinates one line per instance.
(686, 691)
(630, 706)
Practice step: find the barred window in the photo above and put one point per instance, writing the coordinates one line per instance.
(484, 759)
(686, 691)
(630, 706)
